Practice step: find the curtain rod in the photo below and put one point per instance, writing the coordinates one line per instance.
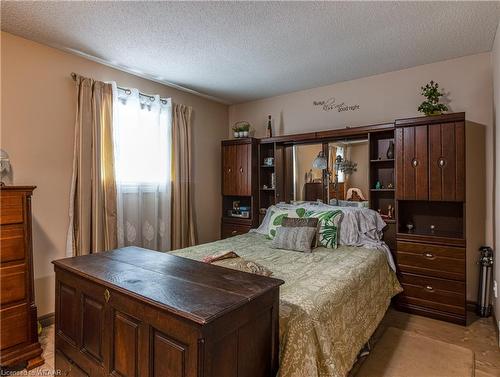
(128, 91)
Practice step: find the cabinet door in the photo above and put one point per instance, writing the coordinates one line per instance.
(447, 162)
(243, 154)
(228, 169)
(412, 181)
(237, 170)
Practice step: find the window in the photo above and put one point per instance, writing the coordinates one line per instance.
(142, 128)
(141, 133)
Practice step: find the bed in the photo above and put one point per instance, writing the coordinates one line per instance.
(331, 302)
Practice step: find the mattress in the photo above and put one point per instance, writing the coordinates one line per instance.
(331, 303)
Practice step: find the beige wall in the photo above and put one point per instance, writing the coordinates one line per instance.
(38, 109)
(496, 109)
(385, 97)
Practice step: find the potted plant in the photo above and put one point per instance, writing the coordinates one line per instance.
(432, 106)
(236, 130)
(241, 129)
(245, 128)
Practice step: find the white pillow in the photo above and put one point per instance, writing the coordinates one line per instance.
(277, 216)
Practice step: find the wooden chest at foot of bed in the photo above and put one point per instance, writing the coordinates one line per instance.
(136, 312)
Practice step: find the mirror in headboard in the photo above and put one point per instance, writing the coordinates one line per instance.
(308, 172)
(345, 161)
(348, 171)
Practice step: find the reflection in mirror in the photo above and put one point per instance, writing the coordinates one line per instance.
(348, 173)
(307, 172)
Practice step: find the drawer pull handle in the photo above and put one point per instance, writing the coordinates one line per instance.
(429, 255)
(441, 162)
(241, 169)
(234, 232)
(429, 288)
(414, 162)
(107, 295)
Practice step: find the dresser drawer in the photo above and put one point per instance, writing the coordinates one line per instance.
(231, 229)
(12, 240)
(14, 326)
(434, 293)
(432, 260)
(13, 283)
(11, 208)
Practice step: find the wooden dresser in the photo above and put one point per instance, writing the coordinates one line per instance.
(136, 312)
(430, 193)
(18, 316)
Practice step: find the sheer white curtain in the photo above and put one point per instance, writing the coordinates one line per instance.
(142, 136)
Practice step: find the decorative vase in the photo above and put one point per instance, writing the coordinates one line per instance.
(240, 134)
(236, 134)
(245, 133)
(390, 151)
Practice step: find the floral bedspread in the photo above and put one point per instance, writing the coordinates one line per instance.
(331, 302)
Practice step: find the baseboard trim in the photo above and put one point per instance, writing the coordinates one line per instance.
(47, 319)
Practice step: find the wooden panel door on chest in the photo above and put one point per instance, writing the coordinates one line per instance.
(431, 246)
(18, 315)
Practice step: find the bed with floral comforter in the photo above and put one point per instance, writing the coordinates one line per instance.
(331, 302)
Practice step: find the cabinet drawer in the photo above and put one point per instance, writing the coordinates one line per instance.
(434, 293)
(13, 326)
(11, 208)
(432, 260)
(230, 229)
(13, 283)
(12, 243)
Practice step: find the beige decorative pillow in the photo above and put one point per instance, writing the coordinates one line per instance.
(294, 238)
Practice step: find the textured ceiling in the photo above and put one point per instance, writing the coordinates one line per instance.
(241, 51)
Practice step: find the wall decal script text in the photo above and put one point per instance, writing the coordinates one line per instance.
(330, 104)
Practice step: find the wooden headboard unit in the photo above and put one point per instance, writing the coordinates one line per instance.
(423, 179)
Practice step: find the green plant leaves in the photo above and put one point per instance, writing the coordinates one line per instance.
(432, 106)
(328, 226)
(300, 212)
(279, 219)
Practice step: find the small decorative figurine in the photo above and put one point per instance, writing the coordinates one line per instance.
(390, 186)
(378, 185)
(409, 226)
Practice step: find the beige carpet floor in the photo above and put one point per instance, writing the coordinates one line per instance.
(402, 353)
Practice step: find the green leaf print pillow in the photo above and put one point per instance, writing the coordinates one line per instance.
(328, 227)
(277, 217)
